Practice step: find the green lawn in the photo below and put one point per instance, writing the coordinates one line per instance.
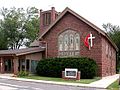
(85, 81)
(114, 86)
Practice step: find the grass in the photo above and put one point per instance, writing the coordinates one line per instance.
(114, 86)
(85, 81)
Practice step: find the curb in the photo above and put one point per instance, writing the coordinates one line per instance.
(52, 82)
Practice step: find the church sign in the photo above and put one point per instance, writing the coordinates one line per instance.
(71, 73)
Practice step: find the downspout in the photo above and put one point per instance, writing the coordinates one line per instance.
(46, 45)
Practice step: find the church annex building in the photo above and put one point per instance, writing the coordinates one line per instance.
(64, 34)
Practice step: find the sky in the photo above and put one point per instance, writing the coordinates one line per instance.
(95, 11)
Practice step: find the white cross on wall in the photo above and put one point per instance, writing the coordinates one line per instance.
(91, 40)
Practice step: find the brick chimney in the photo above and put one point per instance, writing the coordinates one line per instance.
(41, 20)
(52, 14)
(46, 18)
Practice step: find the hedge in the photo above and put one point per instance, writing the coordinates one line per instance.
(53, 67)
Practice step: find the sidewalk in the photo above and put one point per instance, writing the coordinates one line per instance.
(103, 83)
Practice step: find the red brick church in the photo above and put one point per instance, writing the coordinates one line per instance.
(64, 34)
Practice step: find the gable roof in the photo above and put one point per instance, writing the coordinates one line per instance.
(35, 43)
(81, 18)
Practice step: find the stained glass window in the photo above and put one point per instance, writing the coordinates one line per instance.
(69, 43)
(77, 42)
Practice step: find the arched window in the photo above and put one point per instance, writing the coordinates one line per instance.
(69, 44)
(77, 39)
(65, 38)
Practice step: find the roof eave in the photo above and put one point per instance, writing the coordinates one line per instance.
(26, 53)
(1, 55)
(81, 18)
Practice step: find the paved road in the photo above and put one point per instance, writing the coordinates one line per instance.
(6, 84)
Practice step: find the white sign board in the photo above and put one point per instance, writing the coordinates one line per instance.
(71, 73)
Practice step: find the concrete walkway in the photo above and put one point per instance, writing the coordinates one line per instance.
(103, 83)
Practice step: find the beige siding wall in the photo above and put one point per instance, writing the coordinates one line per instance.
(34, 56)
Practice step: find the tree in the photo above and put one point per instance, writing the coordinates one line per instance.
(19, 26)
(32, 29)
(3, 41)
(114, 32)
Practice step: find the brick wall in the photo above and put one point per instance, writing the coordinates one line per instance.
(108, 58)
(71, 22)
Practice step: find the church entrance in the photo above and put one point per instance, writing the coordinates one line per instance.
(8, 67)
(27, 65)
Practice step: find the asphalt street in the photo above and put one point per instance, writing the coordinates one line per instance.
(6, 84)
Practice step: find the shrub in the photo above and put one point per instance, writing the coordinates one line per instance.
(23, 73)
(53, 67)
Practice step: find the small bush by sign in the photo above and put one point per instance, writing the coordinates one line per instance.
(53, 67)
